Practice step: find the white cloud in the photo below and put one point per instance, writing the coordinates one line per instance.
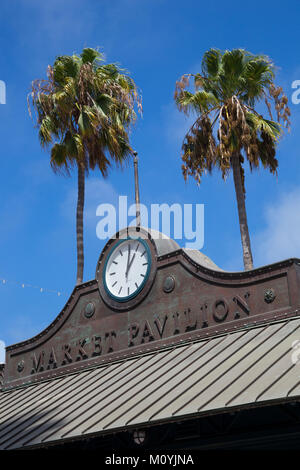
(280, 239)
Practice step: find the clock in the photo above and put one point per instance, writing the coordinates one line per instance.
(127, 269)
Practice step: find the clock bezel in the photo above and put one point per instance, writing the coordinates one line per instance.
(111, 251)
(122, 235)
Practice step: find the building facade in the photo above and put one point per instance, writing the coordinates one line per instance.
(161, 350)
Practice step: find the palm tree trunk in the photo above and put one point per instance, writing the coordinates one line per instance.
(79, 224)
(240, 197)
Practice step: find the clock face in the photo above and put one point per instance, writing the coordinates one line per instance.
(127, 269)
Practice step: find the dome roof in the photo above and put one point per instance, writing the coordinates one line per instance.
(202, 259)
(165, 245)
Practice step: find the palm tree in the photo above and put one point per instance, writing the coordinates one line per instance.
(84, 111)
(227, 127)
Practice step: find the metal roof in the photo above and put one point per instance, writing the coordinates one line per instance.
(249, 367)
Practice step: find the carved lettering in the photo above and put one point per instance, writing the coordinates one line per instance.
(176, 323)
(38, 364)
(133, 332)
(67, 356)
(242, 304)
(81, 352)
(153, 329)
(97, 346)
(110, 341)
(191, 323)
(160, 327)
(220, 310)
(52, 362)
(203, 310)
(147, 333)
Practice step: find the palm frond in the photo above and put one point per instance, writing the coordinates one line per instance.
(231, 84)
(58, 155)
(65, 67)
(200, 102)
(258, 123)
(47, 128)
(232, 63)
(89, 55)
(211, 63)
(85, 110)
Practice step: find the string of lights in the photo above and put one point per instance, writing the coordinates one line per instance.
(25, 285)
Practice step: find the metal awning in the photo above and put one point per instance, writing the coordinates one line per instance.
(246, 368)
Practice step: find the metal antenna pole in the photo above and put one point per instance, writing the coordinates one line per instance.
(137, 192)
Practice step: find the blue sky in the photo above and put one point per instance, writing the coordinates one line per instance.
(157, 41)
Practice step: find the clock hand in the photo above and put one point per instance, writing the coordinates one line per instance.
(130, 264)
(127, 267)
